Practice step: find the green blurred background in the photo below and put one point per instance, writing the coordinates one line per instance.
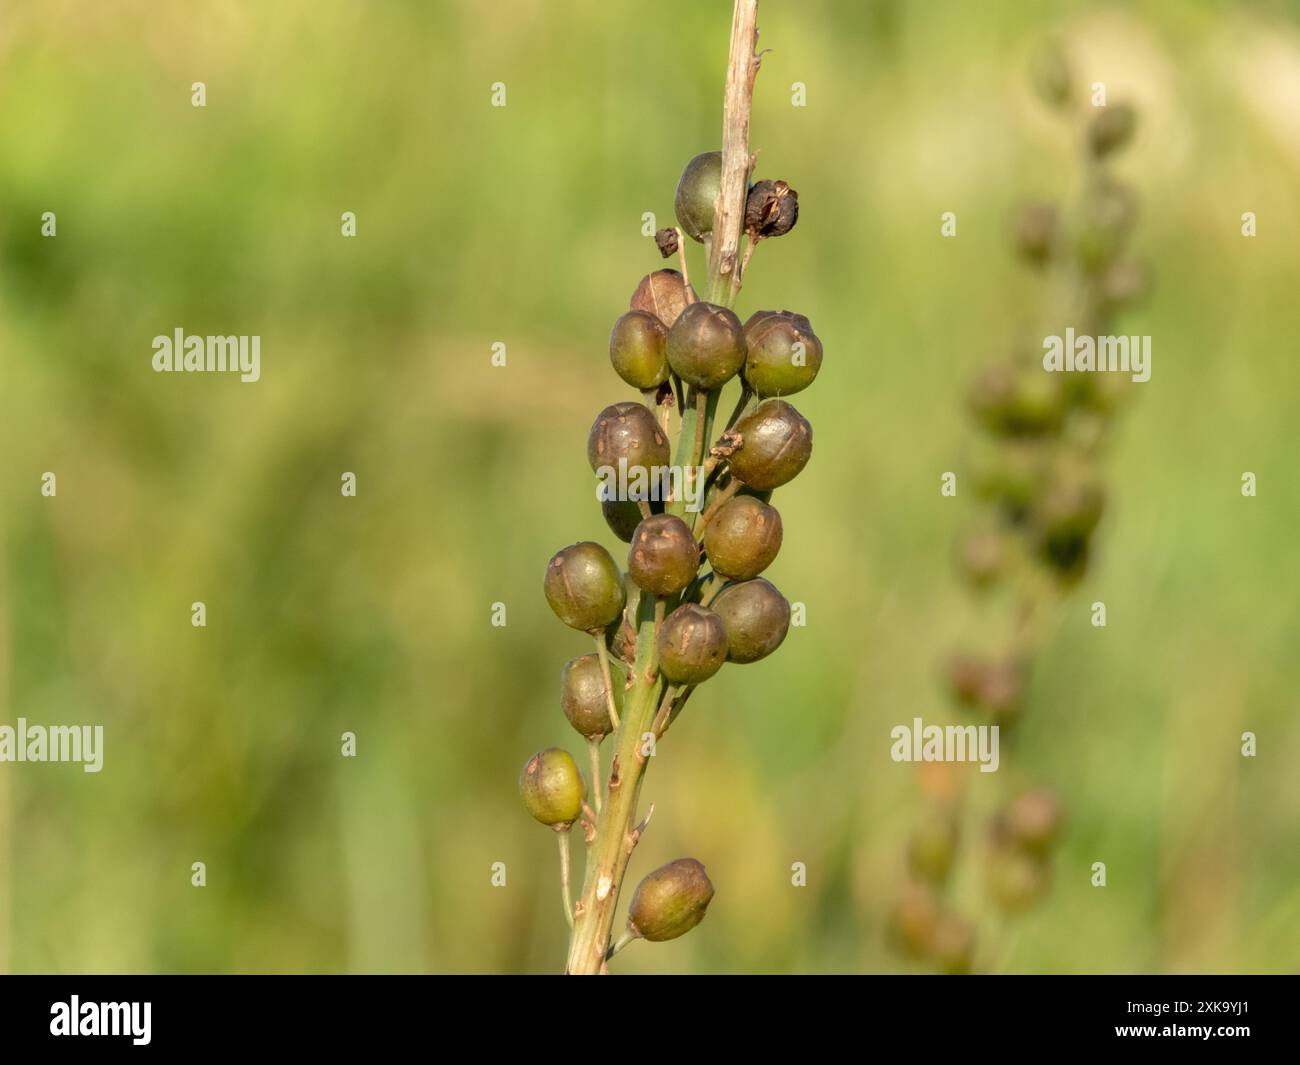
(523, 225)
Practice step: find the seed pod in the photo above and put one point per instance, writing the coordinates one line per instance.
(1002, 689)
(776, 443)
(1015, 400)
(1072, 502)
(966, 678)
(584, 587)
(664, 294)
(771, 210)
(670, 901)
(756, 617)
(1125, 283)
(582, 694)
(1010, 474)
(1034, 231)
(697, 195)
(627, 431)
(742, 538)
(933, 845)
(636, 349)
(1111, 128)
(706, 345)
(1031, 821)
(952, 945)
(552, 788)
(692, 645)
(982, 555)
(663, 557)
(666, 241)
(1050, 73)
(622, 516)
(784, 354)
(1016, 880)
(914, 919)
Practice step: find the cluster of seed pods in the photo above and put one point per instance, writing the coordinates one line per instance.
(700, 528)
(1036, 472)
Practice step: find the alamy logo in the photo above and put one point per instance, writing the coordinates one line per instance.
(102, 1018)
(651, 483)
(920, 742)
(213, 354)
(53, 743)
(1085, 354)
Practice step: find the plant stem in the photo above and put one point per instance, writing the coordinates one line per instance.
(729, 215)
(627, 937)
(563, 836)
(593, 748)
(611, 850)
(603, 652)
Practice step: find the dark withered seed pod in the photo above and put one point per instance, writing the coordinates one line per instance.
(636, 349)
(622, 516)
(582, 694)
(743, 538)
(697, 195)
(1034, 231)
(771, 210)
(552, 788)
(756, 617)
(627, 432)
(1111, 128)
(663, 556)
(584, 587)
(706, 345)
(784, 354)
(670, 901)
(664, 294)
(692, 645)
(666, 241)
(776, 443)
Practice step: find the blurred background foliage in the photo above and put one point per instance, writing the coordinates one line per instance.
(522, 225)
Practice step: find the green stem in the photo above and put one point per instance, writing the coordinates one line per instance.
(603, 652)
(610, 851)
(593, 749)
(563, 836)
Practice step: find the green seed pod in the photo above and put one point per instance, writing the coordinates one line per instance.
(636, 349)
(664, 294)
(1017, 400)
(582, 694)
(552, 788)
(952, 945)
(1050, 74)
(706, 345)
(670, 901)
(627, 431)
(776, 443)
(756, 617)
(622, 516)
(933, 845)
(1111, 128)
(697, 195)
(1016, 880)
(914, 919)
(584, 587)
(1010, 474)
(1031, 821)
(1072, 502)
(1034, 231)
(742, 538)
(692, 645)
(784, 354)
(663, 557)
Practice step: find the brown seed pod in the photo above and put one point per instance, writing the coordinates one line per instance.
(706, 345)
(663, 557)
(664, 294)
(771, 210)
(670, 901)
(756, 617)
(583, 697)
(743, 538)
(692, 645)
(627, 432)
(776, 443)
